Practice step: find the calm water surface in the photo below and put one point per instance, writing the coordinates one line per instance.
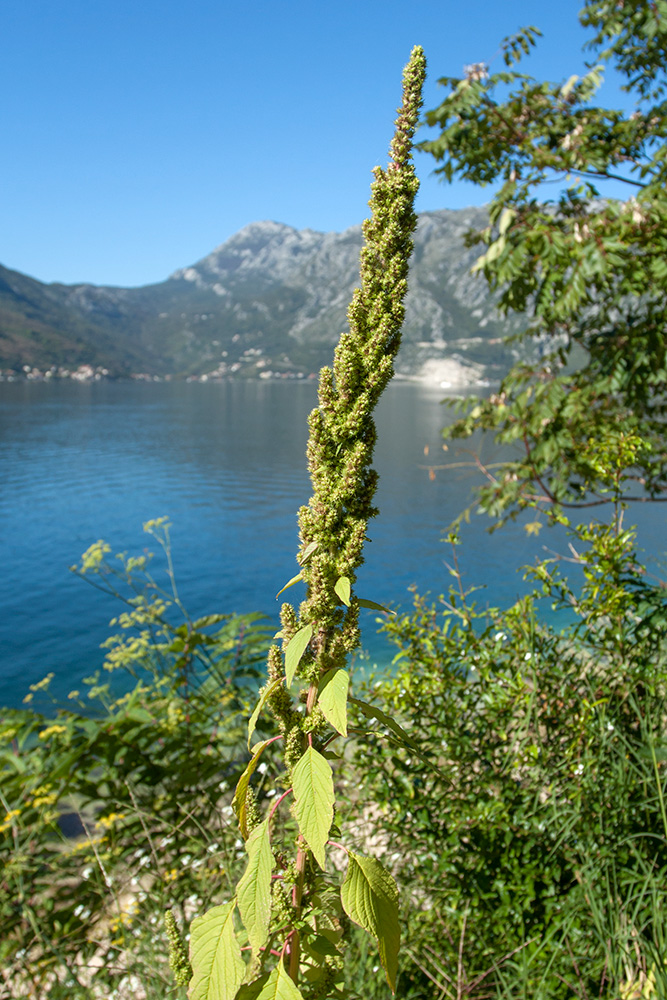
(226, 464)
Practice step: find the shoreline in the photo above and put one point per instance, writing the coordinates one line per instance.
(441, 373)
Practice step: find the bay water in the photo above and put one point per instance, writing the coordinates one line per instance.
(225, 462)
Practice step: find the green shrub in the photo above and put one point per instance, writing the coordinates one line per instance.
(533, 863)
(116, 807)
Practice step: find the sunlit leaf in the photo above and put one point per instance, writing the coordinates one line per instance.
(254, 888)
(265, 695)
(295, 650)
(215, 955)
(276, 986)
(240, 795)
(342, 588)
(312, 784)
(506, 217)
(370, 898)
(290, 583)
(332, 698)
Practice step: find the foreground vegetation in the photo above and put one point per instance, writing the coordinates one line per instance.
(509, 777)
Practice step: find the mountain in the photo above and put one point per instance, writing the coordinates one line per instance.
(270, 301)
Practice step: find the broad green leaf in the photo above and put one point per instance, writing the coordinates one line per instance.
(307, 552)
(332, 698)
(312, 784)
(370, 898)
(290, 583)
(239, 800)
(365, 603)
(278, 986)
(254, 888)
(342, 588)
(266, 693)
(215, 955)
(295, 650)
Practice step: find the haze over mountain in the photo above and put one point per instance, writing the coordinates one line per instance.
(270, 301)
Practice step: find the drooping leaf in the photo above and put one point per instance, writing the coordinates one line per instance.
(332, 698)
(399, 734)
(266, 693)
(312, 784)
(290, 583)
(370, 898)
(254, 888)
(240, 794)
(371, 712)
(342, 588)
(373, 606)
(215, 955)
(295, 650)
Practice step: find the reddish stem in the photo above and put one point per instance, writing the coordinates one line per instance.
(277, 803)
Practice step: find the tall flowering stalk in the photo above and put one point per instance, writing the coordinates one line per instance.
(287, 944)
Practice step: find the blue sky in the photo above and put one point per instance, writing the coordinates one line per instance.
(138, 135)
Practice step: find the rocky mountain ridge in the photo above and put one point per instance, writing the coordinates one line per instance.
(269, 302)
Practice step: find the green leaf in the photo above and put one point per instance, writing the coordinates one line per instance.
(342, 588)
(364, 603)
(250, 991)
(266, 693)
(290, 583)
(254, 888)
(208, 620)
(215, 955)
(312, 784)
(323, 946)
(278, 986)
(332, 699)
(506, 217)
(240, 794)
(371, 712)
(295, 650)
(307, 552)
(370, 898)
(569, 86)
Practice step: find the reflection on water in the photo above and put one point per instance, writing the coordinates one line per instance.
(226, 463)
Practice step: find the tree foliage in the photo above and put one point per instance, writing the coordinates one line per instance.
(588, 271)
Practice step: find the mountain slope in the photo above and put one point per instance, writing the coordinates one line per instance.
(270, 299)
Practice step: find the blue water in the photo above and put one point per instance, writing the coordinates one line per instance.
(226, 464)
